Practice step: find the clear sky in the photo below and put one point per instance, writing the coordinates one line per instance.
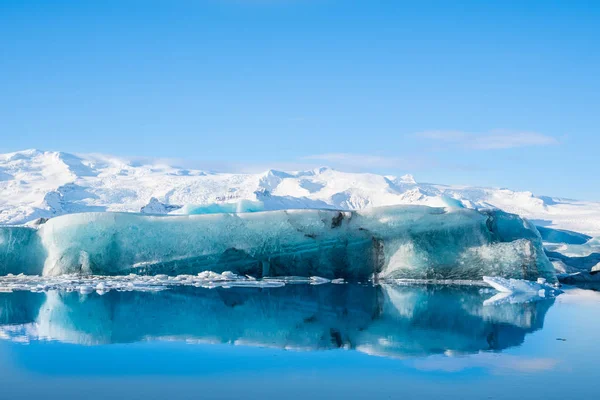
(495, 93)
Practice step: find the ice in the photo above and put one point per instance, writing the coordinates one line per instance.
(522, 288)
(21, 251)
(141, 283)
(409, 242)
(576, 257)
(218, 208)
(550, 235)
(573, 258)
(589, 280)
(156, 207)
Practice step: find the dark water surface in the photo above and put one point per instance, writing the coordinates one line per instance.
(299, 341)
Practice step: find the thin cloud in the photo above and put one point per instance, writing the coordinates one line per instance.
(494, 140)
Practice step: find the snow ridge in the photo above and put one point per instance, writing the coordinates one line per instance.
(43, 184)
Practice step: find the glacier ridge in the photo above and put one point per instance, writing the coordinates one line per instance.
(44, 184)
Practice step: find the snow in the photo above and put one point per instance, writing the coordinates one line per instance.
(156, 207)
(41, 184)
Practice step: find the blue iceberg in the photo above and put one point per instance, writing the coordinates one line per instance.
(407, 242)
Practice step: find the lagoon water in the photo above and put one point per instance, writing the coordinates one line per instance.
(299, 341)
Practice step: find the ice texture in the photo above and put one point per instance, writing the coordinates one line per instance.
(415, 242)
(21, 250)
(219, 208)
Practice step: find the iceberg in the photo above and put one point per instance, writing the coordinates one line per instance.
(550, 235)
(21, 250)
(574, 258)
(396, 242)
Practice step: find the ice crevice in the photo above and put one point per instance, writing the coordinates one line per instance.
(396, 242)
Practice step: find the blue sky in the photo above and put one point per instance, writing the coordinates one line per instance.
(468, 92)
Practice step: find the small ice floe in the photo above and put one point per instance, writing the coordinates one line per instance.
(229, 275)
(85, 289)
(317, 280)
(519, 290)
(102, 289)
(206, 275)
(101, 284)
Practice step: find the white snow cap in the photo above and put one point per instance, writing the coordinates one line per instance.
(43, 184)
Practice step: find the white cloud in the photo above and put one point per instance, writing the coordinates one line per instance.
(498, 139)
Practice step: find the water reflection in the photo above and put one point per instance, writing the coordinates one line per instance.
(385, 320)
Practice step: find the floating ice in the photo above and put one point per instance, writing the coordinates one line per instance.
(519, 291)
(86, 284)
(415, 242)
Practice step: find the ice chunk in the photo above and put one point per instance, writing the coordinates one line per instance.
(416, 242)
(519, 286)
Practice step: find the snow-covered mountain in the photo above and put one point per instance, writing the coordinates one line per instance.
(38, 184)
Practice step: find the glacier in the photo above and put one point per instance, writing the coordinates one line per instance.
(45, 184)
(395, 242)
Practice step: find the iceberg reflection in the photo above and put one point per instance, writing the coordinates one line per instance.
(386, 320)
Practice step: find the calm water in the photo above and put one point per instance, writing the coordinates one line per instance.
(299, 341)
